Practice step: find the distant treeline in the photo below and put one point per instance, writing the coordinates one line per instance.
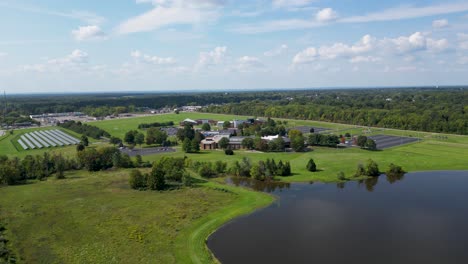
(100, 105)
(155, 124)
(433, 110)
(85, 129)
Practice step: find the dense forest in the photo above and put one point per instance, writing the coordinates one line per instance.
(434, 110)
(425, 109)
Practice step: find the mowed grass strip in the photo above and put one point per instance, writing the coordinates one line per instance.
(97, 218)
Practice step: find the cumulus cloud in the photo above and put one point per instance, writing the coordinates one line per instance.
(88, 33)
(413, 43)
(306, 56)
(336, 50)
(248, 64)
(276, 51)
(171, 12)
(211, 58)
(326, 15)
(77, 59)
(441, 23)
(140, 57)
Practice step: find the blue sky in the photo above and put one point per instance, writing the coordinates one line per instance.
(160, 45)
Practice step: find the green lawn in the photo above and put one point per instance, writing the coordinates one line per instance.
(97, 218)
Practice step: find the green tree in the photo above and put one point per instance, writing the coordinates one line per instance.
(137, 180)
(129, 137)
(311, 166)
(372, 169)
(139, 138)
(115, 140)
(297, 143)
(59, 164)
(370, 144)
(226, 124)
(84, 140)
(224, 143)
(361, 141)
(256, 172)
(187, 145)
(156, 179)
(248, 143)
(195, 145)
(206, 127)
(360, 171)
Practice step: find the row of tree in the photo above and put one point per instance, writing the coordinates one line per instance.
(164, 172)
(85, 129)
(155, 124)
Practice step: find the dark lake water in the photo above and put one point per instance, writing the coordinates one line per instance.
(420, 218)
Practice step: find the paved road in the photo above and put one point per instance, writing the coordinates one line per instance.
(147, 151)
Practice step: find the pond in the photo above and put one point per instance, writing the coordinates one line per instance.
(419, 218)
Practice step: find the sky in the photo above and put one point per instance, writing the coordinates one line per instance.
(172, 45)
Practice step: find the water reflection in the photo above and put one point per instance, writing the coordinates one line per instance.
(262, 186)
(419, 220)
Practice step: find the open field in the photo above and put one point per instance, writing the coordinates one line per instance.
(9, 143)
(97, 218)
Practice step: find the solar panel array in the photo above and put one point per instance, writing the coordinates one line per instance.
(46, 139)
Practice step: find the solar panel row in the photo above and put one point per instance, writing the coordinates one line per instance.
(45, 139)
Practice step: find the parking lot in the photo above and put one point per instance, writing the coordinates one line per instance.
(386, 141)
(146, 151)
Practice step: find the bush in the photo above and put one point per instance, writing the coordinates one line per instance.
(311, 166)
(372, 169)
(137, 180)
(341, 176)
(229, 152)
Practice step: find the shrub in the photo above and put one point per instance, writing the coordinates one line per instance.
(137, 180)
(311, 166)
(229, 152)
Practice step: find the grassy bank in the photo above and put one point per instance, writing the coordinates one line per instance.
(97, 218)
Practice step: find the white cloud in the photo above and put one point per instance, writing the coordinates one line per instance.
(326, 15)
(248, 64)
(360, 59)
(88, 33)
(140, 57)
(441, 23)
(276, 51)
(408, 12)
(329, 15)
(306, 56)
(171, 12)
(463, 41)
(3, 54)
(76, 60)
(414, 43)
(211, 58)
(364, 45)
(343, 50)
(437, 45)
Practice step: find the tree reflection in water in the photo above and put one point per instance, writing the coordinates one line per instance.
(262, 186)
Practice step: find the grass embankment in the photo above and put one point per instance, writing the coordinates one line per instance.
(97, 218)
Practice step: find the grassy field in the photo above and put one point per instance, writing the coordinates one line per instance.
(9, 143)
(97, 218)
